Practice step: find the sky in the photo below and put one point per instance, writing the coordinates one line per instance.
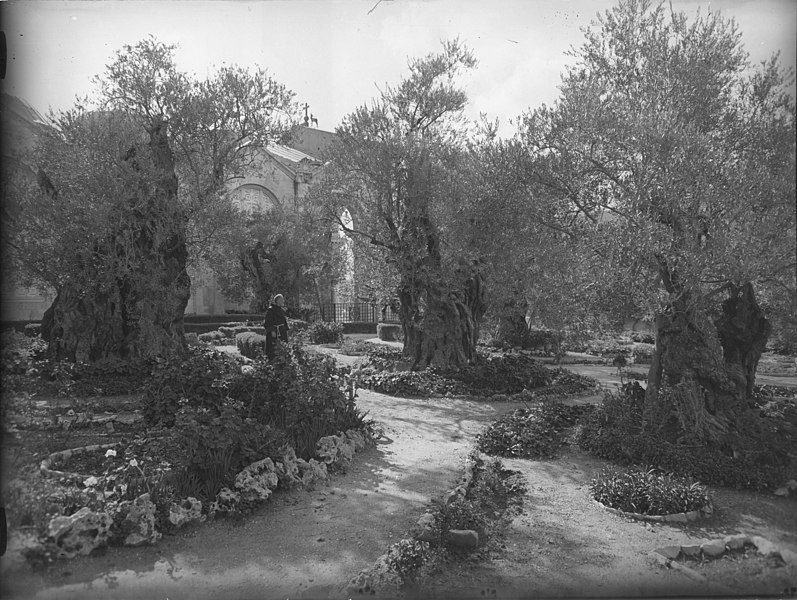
(336, 54)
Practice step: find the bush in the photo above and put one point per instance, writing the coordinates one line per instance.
(643, 337)
(212, 337)
(323, 332)
(215, 445)
(507, 374)
(642, 353)
(648, 492)
(251, 345)
(301, 394)
(18, 352)
(109, 377)
(197, 378)
(616, 431)
(390, 332)
(529, 432)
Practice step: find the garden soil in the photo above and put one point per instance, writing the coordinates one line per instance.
(310, 544)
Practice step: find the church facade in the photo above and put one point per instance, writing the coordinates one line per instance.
(281, 176)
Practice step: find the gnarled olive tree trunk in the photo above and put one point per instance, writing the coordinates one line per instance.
(131, 301)
(703, 372)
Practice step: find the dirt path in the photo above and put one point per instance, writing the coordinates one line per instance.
(299, 544)
(308, 545)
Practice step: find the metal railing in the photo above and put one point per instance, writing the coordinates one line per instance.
(355, 312)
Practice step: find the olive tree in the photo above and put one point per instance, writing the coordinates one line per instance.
(132, 187)
(398, 171)
(680, 161)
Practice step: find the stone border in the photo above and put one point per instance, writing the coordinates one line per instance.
(667, 556)
(684, 517)
(378, 578)
(45, 469)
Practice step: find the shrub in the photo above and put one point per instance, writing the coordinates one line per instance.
(212, 337)
(302, 394)
(616, 431)
(18, 352)
(390, 332)
(643, 337)
(406, 557)
(649, 492)
(109, 376)
(323, 332)
(230, 332)
(198, 378)
(507, 374)
(214, 445)
(529, 432)
(355, 347)
(642, 353)
(382, 357)
(250, 344)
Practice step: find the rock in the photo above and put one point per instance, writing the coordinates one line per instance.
(671, 552)
(789, 557)
(140, 520)
(358, 438)
(764, 546)
(691, 550)
(462, 538)
(327, 448)
(735, 542)
(312, 472)
(79, 533)
(713, 549)
(677, 518)
(288, 470)
(226, 502)
(335, 449)
(256, 482)
(186, 511)
(424, 529)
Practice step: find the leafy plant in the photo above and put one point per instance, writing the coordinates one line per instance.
(198, 378)
(529, 432)
(406, 557)
(324, 332)
(650, 491)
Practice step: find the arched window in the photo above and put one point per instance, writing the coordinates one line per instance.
(254, 198)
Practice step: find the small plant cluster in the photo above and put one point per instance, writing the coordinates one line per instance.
(648, 492)
(324, 332)
(352, 347)
(250, 344)
(18, 352)
(505, 374)
(110, 376)
(223, 417)
(533, 432)
(617, 430)
(410, 384)
(492, 493)
(494, 376)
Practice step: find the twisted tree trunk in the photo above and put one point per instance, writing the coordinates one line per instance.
(131, 297)
(703, 372)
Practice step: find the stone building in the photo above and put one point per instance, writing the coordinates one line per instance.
(281, 176)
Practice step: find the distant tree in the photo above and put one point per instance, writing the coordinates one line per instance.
(129, 190)
(683, 168)
(398, 171)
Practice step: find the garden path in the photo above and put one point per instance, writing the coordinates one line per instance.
(298, 544)
(308, 545)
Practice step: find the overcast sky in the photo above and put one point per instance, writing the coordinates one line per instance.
(334, 53)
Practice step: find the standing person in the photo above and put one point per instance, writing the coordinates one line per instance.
(276, 324)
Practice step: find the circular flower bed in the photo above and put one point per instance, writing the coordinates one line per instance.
(651, 495)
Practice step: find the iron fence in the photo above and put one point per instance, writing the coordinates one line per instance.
(355, 312)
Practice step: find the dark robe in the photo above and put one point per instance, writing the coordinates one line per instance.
(276, 324)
